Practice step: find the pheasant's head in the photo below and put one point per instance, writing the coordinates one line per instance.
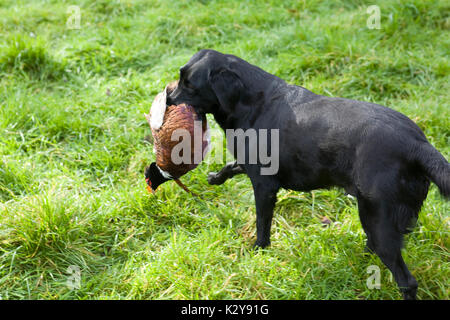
(154, 177)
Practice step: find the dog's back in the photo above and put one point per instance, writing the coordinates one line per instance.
(350, 137)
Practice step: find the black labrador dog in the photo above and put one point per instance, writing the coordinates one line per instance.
(375, 153)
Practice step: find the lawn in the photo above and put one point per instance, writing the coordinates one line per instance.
(76, 221)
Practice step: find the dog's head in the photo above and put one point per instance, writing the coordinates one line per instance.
(209, 82)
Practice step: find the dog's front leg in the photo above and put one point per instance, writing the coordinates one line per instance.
(265, 198)
(229, 171)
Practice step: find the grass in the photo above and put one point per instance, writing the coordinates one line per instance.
(72, 149)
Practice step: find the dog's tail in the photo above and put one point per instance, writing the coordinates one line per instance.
(436, 167)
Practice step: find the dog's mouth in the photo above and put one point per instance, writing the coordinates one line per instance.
(170, 100)
(201, 112)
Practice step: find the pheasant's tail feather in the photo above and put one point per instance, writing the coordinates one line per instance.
(185, 188)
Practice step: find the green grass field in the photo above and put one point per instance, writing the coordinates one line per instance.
(72, 149)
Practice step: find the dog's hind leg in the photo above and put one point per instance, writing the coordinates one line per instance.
(384, 238)
(364, 211)
(228, 171)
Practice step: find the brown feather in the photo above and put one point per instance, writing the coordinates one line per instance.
(177, 117)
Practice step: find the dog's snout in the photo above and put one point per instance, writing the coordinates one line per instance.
(171, 87)
(172, 93)
(169, 100)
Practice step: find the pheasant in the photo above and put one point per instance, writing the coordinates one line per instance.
(164, 122)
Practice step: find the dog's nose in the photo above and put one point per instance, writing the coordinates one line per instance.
(172, 93)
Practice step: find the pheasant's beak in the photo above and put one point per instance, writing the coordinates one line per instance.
(149, 186)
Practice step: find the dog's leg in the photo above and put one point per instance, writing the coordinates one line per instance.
(386, 241)
(229, 171)
(265, 198)
(364, 210)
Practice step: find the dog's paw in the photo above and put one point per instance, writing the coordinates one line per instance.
(410, 292)
(261, 245)
(214, 179)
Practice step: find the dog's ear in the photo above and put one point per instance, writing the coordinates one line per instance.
(227, 87)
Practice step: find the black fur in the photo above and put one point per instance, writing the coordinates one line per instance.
(373, 152)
